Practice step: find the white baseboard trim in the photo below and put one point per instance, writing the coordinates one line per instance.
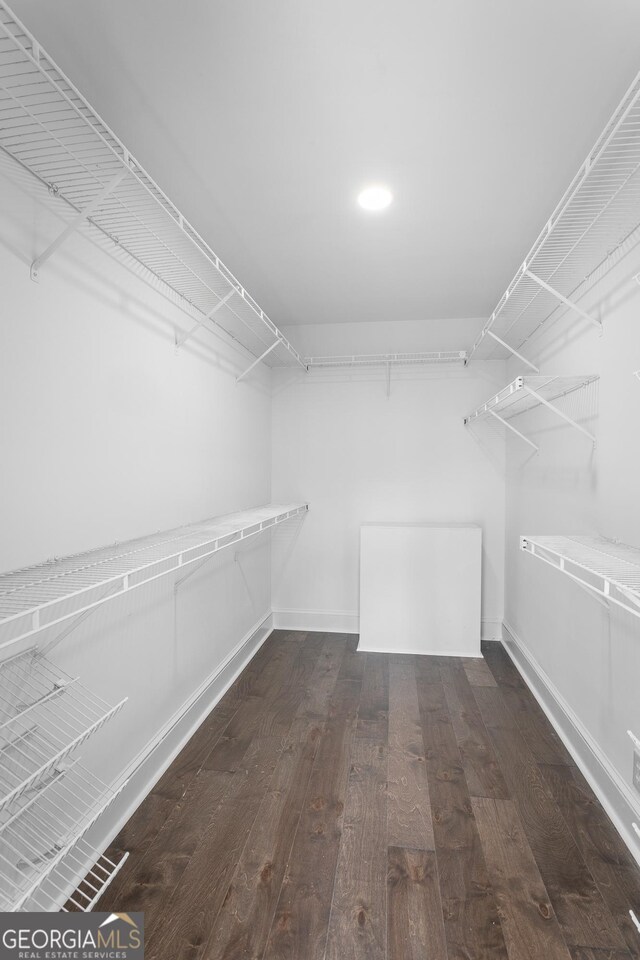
(492, 629)
(615, 795)
(348, 621)
(160, 752)
(324, 621)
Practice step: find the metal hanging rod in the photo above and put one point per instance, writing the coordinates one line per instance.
(603, 567)
(49, 593)
(598, 212)
(526, 393)
(48, 127)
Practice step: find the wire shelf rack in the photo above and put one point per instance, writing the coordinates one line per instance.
(526, 393)
(41, 834)
(48, 127)
(49, 593)
(603, 567)
(381, 359)
(94, 883)
(54, 894)
(598, 212)
(44, 715)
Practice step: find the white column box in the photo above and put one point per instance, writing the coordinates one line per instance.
(420, 588)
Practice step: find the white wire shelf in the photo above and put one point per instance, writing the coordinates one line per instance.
(526, 393)
(44, 715)
(603, 567)
(598, 212)
(53, 893)
(94, 884)
(48, 127)
(49, 593)
(381, 359)
(41, 834)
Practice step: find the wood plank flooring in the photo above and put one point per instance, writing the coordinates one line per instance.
(338, 805)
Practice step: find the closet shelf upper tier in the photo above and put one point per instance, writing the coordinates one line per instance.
(598, 212)
(382, 359)
(48, 127)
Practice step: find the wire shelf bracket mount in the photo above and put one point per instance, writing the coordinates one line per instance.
(77, 221)
(258, 360)
(567, 302)
(512, 350)
(180, 341)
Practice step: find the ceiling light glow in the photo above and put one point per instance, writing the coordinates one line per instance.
(375, 197)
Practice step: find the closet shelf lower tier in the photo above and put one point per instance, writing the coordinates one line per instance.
(44, 716)
(604, 567)
(46, 594)
(44, 856)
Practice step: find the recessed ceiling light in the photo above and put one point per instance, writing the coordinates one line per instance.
(375, 197)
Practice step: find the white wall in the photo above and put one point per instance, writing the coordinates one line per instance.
(107, 434)
(589, 655)
(358, 456)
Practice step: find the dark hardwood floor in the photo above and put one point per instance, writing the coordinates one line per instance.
(347, 805)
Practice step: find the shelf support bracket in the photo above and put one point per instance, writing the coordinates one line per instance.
(569, 303)
(559, 413)
(515, 353)
(629, 596)
(593, 592)
(194, 569)
(113, 590)
(207, 316)
(76, 222)
(583, 586)
(258, 360)
(510, 426)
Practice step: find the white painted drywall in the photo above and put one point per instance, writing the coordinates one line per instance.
(358, 456)
(420, 586)
(107, 433)
(590, 656)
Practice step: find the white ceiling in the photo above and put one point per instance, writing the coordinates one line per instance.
(263, 118)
